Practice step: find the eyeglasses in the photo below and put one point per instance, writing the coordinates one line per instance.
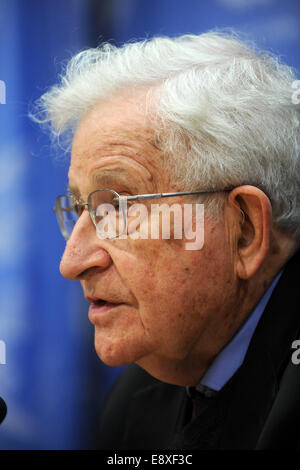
(104, 203)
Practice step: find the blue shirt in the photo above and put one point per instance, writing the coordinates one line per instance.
(232, 356)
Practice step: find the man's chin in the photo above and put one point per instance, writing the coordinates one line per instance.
(116, 354)
(112, 361)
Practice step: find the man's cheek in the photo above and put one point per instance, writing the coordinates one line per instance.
(123, 342)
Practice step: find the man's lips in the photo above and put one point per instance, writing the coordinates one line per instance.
(101, 306)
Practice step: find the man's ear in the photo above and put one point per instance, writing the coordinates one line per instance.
(252, 241)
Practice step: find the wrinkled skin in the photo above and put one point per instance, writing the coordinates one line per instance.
(177, 308)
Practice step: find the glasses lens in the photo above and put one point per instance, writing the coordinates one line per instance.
(66, 215)
(108, 211)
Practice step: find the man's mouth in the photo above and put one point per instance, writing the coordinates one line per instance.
(100, 306)
(102, 303)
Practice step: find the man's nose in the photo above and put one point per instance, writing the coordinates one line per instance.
(83, 250)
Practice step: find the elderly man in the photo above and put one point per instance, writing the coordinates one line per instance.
(210, 324)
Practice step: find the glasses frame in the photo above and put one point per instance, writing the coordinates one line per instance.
(123, 200)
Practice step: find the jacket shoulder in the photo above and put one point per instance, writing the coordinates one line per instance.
(115, 408)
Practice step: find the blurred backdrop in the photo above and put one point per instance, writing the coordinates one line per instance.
(50, 377)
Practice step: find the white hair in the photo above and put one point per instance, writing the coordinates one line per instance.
(224, 110)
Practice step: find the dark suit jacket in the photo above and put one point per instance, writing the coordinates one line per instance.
(258, 408)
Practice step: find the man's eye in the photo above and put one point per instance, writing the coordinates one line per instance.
(78, 209)
(116, 203)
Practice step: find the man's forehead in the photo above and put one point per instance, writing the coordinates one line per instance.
(115, 130)
(127, 163)
(113, 139)
(140, 148)
(118, 114)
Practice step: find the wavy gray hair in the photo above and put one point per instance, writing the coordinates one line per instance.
(224, 110)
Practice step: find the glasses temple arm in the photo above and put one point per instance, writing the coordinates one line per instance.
(160, 195)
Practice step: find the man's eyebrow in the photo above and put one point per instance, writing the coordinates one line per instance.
(109, 177)
(105, 179)
(72, 189)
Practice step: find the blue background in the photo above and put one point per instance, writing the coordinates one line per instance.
(53, 382)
